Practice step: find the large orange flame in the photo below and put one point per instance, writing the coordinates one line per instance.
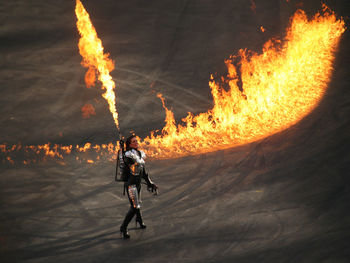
(91, 49)
(280, 86)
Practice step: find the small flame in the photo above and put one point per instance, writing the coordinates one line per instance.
(29, 154)
(87, 110)
(262, 29)
(90, 77)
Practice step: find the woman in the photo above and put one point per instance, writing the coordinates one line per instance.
(134, 169)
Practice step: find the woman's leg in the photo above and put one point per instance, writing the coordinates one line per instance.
(138, 211)
(134, 207)
(130, 214)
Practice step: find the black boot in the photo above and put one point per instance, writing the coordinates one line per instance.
(139, 219)
(124, 232)
(124, 226)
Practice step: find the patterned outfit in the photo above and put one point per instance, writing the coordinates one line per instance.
(134, 167)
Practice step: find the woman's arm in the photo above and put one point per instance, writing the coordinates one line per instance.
(152, 187)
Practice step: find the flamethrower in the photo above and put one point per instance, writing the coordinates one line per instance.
(119, 176)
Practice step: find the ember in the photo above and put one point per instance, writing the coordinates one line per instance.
(87, 110)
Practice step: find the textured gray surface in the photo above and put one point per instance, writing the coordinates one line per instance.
(282, 199)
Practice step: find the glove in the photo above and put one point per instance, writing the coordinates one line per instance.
(153, 188)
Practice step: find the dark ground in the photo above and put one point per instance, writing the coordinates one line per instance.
(282, 199)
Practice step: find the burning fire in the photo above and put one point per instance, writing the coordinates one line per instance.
(280, 86)
(87, 153)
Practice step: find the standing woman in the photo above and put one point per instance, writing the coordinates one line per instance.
(134, 169)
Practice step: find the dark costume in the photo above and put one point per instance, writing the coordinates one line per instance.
(134, 169)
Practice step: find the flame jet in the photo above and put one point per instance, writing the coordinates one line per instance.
(91, 49)
(280, 87)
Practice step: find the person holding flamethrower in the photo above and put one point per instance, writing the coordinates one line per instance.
(131, 169)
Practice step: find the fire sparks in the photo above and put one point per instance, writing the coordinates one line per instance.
(280, 87)
(91, 49)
